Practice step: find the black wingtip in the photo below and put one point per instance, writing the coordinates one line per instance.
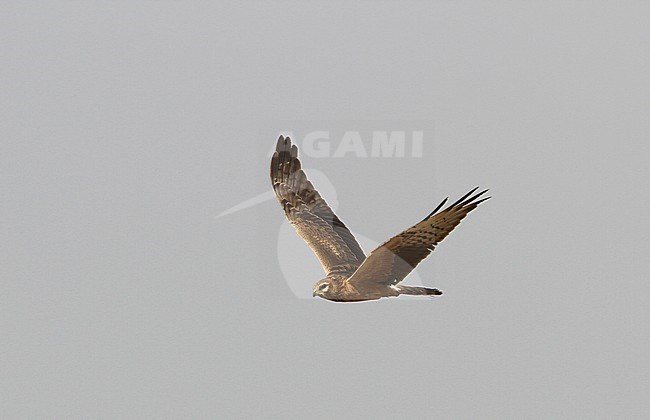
(463, 198)
(471, 200)
(437, 208)
(476, 203)
(462, 202)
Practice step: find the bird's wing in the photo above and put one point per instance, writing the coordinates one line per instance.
(389, 263)
(334, 245)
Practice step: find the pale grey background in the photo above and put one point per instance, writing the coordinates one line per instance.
(127, 126)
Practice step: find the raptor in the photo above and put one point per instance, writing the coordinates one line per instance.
(350, 275)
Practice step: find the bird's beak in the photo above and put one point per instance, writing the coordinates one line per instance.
(313, 293)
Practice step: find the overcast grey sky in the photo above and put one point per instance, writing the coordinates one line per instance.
(126, 127)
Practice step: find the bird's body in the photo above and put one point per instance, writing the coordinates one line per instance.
(350, 275)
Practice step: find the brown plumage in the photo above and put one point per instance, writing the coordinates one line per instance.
(350, 275)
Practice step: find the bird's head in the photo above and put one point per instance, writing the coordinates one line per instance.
(323, 288)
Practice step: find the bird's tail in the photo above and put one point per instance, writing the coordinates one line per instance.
(413, 290)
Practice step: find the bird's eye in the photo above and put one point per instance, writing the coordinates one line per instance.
(323, 287)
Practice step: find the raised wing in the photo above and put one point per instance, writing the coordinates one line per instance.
(389, 263)
(332, 242)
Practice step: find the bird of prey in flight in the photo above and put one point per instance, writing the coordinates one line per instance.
(350, 275)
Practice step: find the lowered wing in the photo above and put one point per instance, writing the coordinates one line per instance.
(389, 263)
